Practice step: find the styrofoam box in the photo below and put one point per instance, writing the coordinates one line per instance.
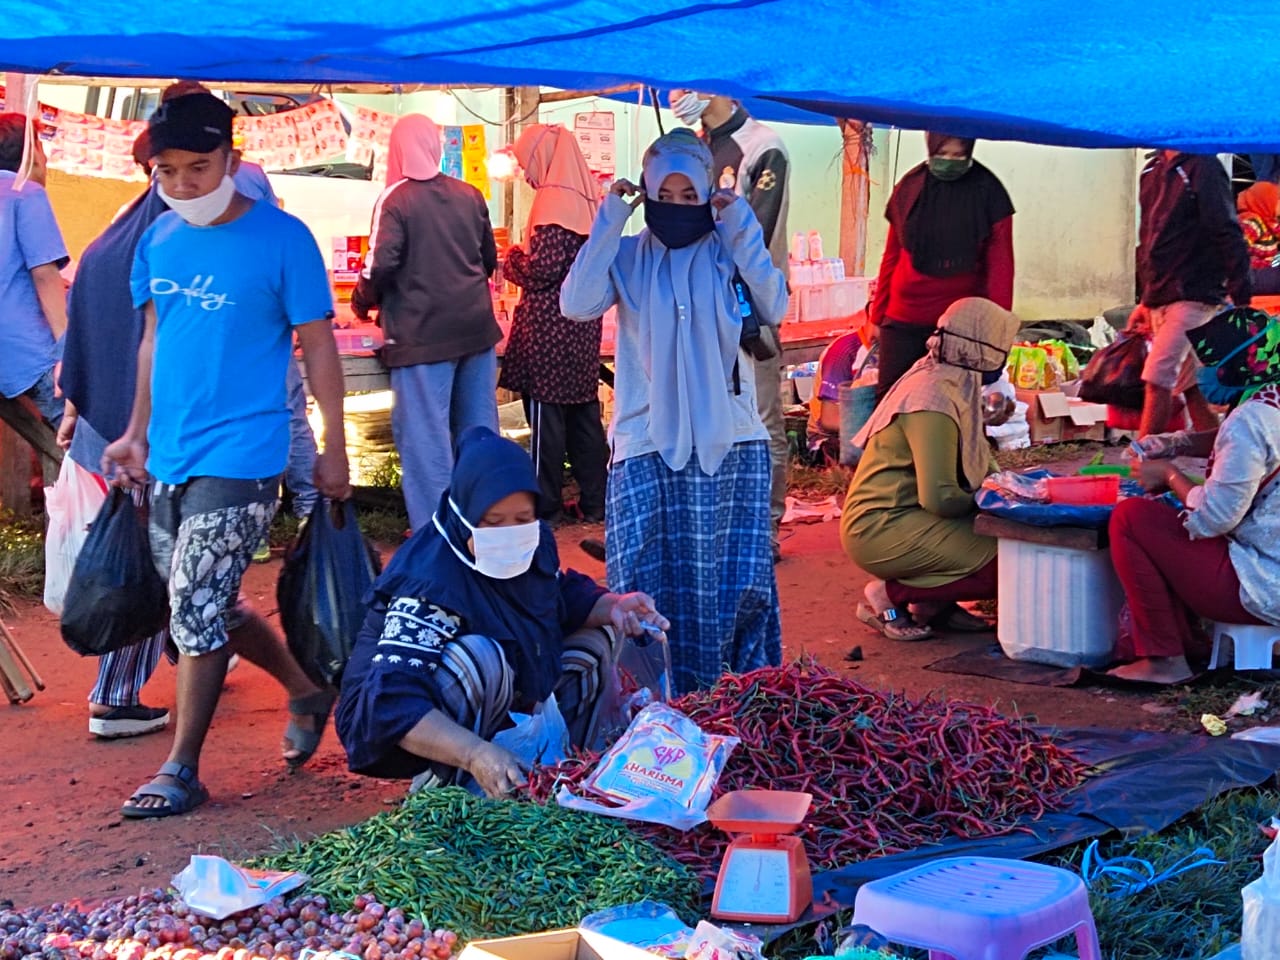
(846, 297)
(1057, 606)
(813, 304)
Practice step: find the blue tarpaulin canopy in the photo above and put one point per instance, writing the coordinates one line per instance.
(1095, 73)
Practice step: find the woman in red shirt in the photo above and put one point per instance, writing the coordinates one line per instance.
(950, 237)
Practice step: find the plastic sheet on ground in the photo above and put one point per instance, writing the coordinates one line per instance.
(1142, 783)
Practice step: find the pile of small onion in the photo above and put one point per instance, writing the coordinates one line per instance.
(159, 926)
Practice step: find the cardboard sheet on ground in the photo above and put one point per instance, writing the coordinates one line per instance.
(1143, 783)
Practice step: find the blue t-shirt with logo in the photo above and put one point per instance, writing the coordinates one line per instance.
(29, 238)
(226, 299)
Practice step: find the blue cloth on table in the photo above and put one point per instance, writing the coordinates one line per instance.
(1051, 514)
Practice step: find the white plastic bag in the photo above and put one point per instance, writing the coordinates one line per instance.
(538, 738)
(213, 887)
(1260, 933)
(72, 503)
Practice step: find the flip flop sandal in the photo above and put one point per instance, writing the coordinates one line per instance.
(179, 798)
(895, 623)
(956, 619)
(317, 706)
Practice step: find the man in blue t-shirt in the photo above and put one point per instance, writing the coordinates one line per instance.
(33, 298)
(224, 283)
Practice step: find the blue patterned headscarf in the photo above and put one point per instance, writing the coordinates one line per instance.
(1243, 347)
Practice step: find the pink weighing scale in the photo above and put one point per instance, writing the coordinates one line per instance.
(765, 874)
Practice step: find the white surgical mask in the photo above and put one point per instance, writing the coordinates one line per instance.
(202, 211)
(689, 108)
(501, 552)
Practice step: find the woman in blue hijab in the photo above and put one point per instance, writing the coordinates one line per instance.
(472, 619)
(99, 366)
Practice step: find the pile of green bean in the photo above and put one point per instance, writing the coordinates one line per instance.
(491, 868)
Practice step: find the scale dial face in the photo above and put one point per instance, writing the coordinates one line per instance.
(757, 882)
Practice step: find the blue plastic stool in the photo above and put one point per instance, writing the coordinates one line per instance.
(980, 908)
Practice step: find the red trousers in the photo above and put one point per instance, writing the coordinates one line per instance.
(1168, 578)
(979, 585)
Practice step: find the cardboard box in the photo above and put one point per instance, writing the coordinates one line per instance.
(555, 945)
(1056, 416)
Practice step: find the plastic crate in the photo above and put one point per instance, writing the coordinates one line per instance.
(1058, 606)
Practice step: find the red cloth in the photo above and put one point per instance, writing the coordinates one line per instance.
(905, 294)
(1122, 418)
(979, 585)
(1168, 578)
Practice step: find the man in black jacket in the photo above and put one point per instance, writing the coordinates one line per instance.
(751, 159)
(1191, 255)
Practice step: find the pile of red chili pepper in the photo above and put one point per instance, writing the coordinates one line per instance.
(887, 773)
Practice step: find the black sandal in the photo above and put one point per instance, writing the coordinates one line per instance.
(179, 798)
(954, 618)
(317, 706)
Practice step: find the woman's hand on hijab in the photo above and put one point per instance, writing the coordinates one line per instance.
(624, 189)
(632, 611)
(498, 771)
(723, 198)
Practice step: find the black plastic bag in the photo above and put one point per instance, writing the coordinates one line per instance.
(115, 598)
(327, 573)
(1114, 375)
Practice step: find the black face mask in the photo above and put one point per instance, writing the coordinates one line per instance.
(991, 351)
(678, 224)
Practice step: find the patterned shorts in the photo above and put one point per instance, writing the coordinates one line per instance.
(203, 534)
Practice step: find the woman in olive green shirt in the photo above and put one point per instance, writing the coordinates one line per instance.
(908, 515)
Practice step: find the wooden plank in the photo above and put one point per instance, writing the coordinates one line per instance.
(22, 415)
(1072, 538)
(15, 684)
(8, 641)
(15, 472)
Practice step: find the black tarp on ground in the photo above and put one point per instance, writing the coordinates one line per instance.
(1142, 783)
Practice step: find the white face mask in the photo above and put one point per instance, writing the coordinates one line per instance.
(501, 552)
(202, 211)
(689, 109)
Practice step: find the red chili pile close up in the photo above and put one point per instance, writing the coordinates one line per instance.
(887, 773)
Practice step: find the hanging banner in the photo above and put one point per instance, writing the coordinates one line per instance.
(367, 144)
(88, 145)
(597, 140)
(474, 154)
(305, 137)
(451, 164)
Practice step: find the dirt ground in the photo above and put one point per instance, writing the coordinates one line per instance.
(61, 790)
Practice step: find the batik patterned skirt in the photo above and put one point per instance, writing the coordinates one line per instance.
(700, 546)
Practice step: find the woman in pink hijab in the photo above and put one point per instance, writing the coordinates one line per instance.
(431, 253)
(554, 362)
